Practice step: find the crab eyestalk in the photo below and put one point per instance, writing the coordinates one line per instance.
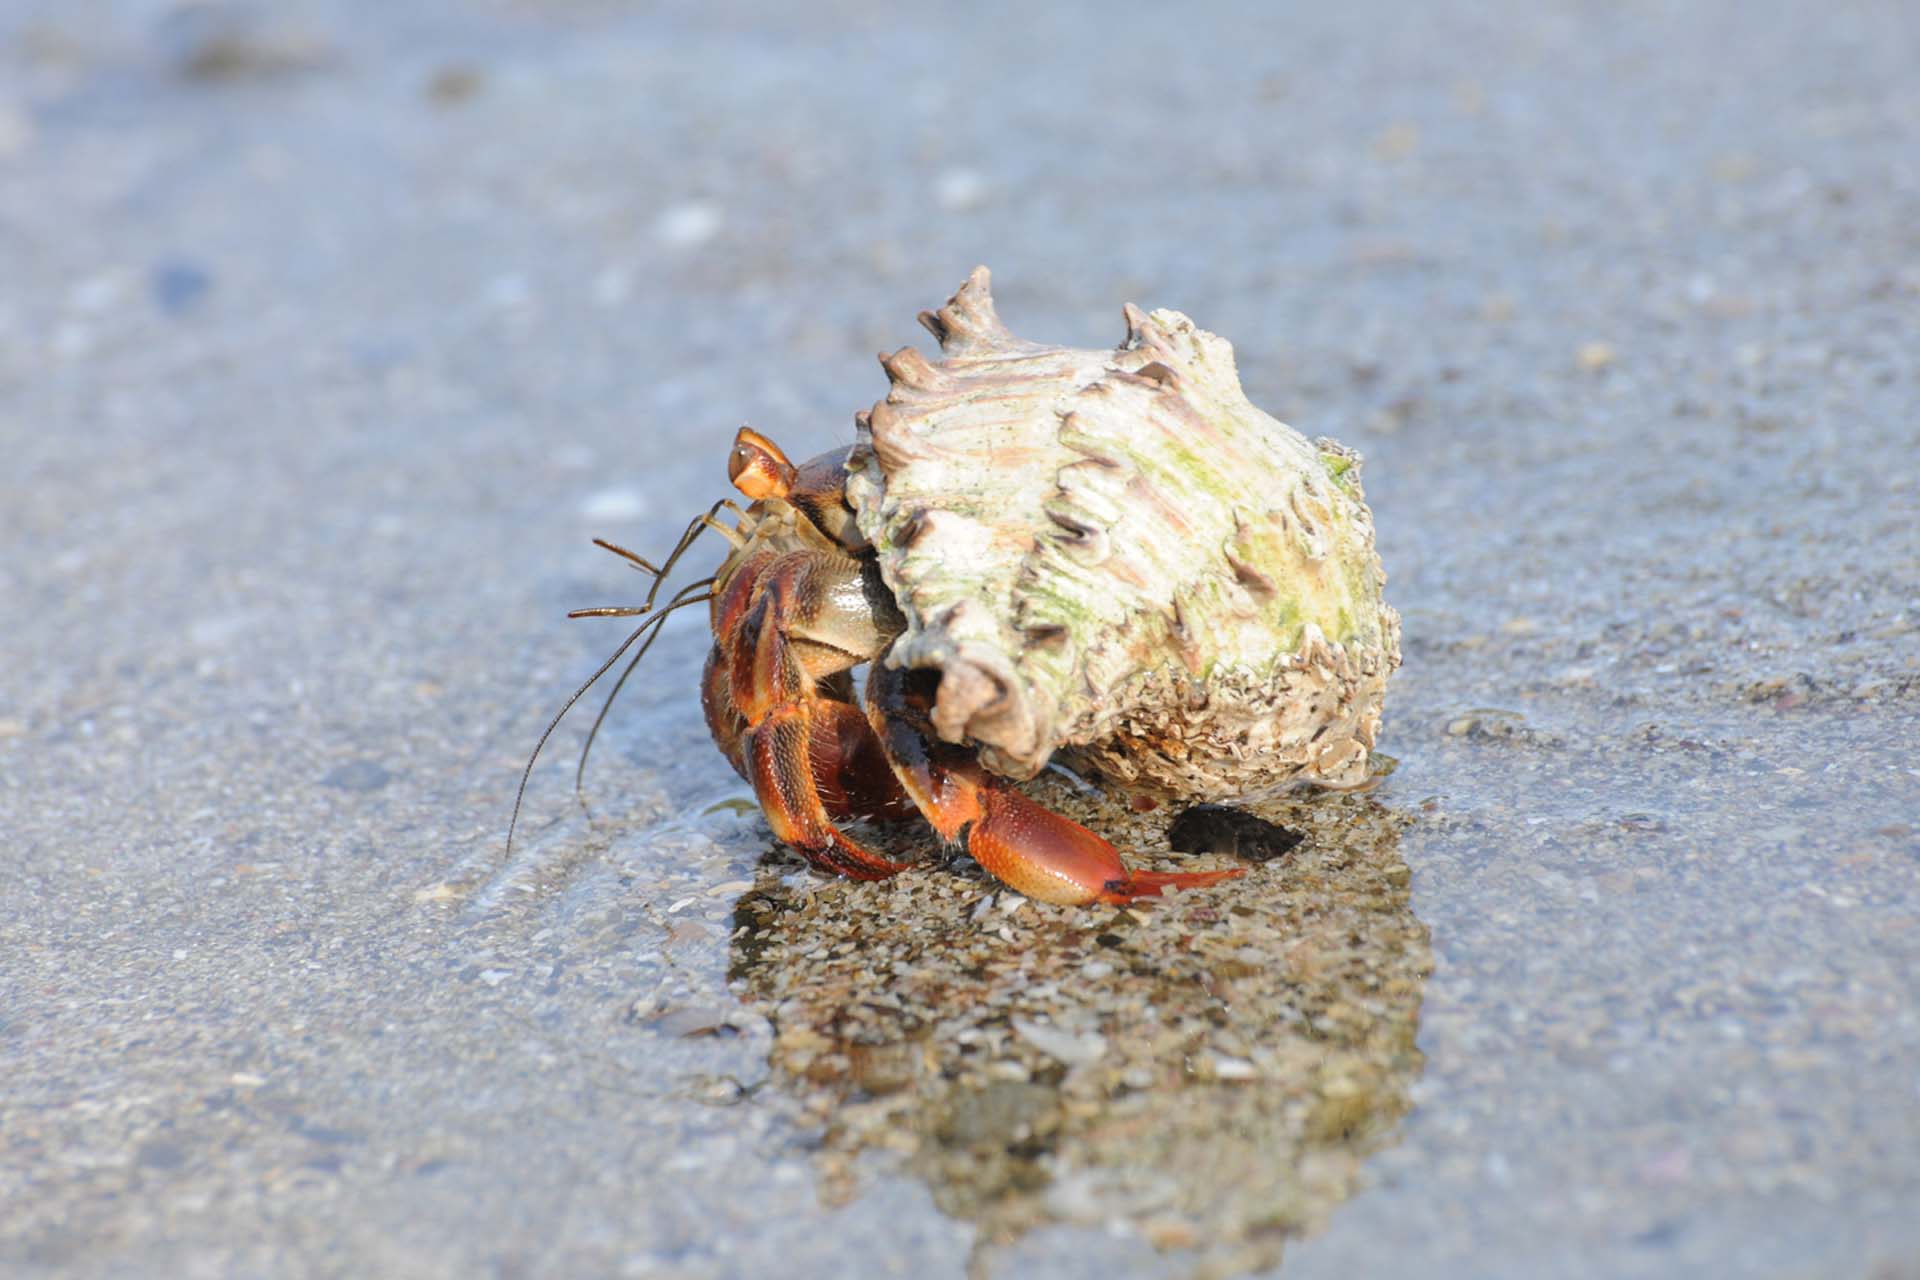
(757, 468)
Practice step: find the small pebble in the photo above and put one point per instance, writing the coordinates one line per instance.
(177, 284)
(1595, 356)
(455, 84)
(16, 131)
(611, 506)
(360, 775)
(959, 190)
(612, 287)
(1227, 1068)
(689, 225)
(1074, 1050)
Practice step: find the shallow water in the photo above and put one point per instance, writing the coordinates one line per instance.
(329, 338)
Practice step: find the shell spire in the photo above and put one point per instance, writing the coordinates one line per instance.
(968, 323)
(908, 368)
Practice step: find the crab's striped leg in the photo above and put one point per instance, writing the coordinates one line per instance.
(781, 763)
(809, 758)
(1028, 847)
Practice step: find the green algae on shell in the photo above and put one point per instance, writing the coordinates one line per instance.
(1117, 555)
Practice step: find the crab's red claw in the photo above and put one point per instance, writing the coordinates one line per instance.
(1023, 845)
(1055, 859)
(1151, 884)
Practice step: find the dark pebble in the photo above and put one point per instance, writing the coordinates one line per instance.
(1660, 1235)
(1219, 828)
(177, 285)
(161, 1154)
(361, 775)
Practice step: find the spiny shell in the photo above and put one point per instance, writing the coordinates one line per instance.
(1116, 553)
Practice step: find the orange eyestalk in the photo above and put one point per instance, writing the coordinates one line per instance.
(757, 468)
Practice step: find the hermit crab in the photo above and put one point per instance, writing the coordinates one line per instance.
(1037, 551)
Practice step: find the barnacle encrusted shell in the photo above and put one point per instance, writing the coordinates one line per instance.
(1116, 553)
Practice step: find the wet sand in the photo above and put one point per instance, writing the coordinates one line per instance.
(328, 337)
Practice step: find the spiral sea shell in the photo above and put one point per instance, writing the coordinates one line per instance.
(1115, 555)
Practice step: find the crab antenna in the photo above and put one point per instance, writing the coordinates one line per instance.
(686, 540)
(513, 823)
(684, 598)
(639, 562)
(609, 611)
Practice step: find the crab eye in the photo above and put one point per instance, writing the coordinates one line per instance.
(739, 463)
